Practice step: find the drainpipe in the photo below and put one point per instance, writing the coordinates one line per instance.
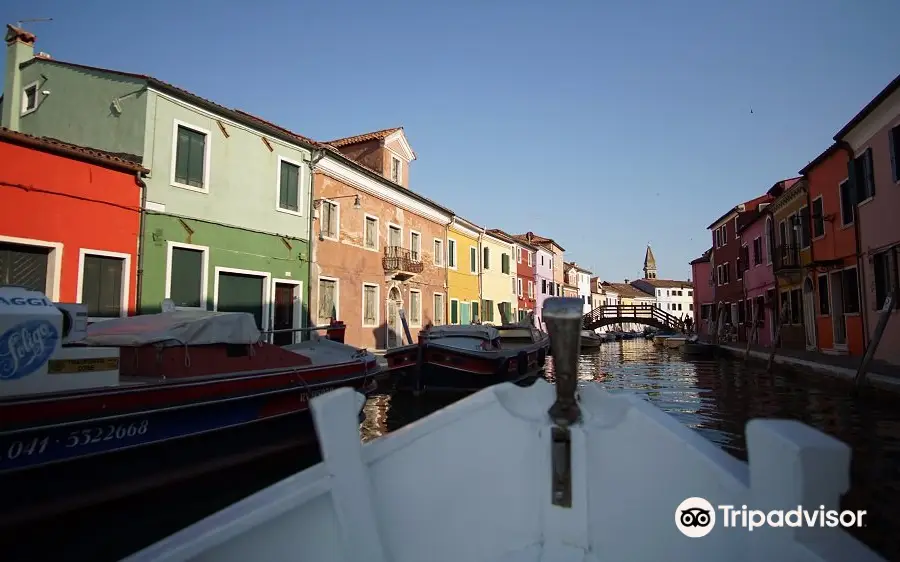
(812, 260)
(139, 274)
(314, 159)
(860, 268)
(446, 273)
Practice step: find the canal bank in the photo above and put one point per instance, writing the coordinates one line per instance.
(880, 375)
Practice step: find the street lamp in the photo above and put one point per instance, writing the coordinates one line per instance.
(356, 202)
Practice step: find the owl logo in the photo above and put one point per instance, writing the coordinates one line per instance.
(695, 517)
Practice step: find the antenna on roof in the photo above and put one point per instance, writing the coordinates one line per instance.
(33, 20)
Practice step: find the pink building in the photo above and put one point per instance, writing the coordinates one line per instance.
(704, 292)
(759, 280)
(873, 140)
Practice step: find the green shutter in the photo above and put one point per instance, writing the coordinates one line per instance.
(195, 163)
(475, 311)
(852, 184)
(182, 154)
(290, 187)
(102, 282)
(187, 277)
(454, 312)
(504, 263)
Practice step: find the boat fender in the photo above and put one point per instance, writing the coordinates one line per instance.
(522, 362)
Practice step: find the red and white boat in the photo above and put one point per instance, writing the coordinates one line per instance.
(91, 414)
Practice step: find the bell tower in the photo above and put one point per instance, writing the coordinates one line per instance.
(649, 264)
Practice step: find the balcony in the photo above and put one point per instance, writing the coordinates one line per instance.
(400, 263)
(786, 259)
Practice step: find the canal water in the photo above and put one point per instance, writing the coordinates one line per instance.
(714, 397)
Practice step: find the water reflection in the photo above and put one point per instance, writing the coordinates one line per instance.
(717, 397)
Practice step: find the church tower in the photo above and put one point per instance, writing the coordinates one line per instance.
(649, 264)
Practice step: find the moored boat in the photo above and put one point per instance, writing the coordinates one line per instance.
(467, 358)
(591, 339)
(147, 388)
(411, 495)
(674, 342)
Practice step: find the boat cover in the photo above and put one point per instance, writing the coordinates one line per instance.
(464, 331)
(179, 327)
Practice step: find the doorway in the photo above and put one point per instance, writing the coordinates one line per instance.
(809, 314)
(241, 292)
(465, 313)
(286, 314)
(838, 320)
(394, 329)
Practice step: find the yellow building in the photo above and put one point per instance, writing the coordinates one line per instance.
(790, 258)
(498, 278)
(463, 284)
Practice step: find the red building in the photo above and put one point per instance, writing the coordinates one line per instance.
(839, 325)
(69, 222)
(526, 285)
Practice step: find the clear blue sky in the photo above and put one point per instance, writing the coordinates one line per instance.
(604, 125)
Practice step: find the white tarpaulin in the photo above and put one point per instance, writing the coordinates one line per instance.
(464, 331)
(180, 327)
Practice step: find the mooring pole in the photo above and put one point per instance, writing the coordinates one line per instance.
(886, 310)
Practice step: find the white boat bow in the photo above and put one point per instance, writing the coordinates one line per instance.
(487, 479)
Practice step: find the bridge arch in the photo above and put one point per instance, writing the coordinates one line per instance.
(648, 315)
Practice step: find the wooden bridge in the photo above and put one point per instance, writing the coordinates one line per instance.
(646, 314)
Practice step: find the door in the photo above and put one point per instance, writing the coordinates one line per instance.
(24, 266)
(838, 320)
(394, 237)
(465, 313)
(394, 328)
(241, 293)
(285, 299)
(809, 313)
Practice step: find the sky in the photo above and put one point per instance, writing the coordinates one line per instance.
(603, 125)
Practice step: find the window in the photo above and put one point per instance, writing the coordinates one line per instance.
(396, 170)
(395, 236)
(371, 234)
(186, 279)
(288, 186)
(818, 218)
(739, 263)
(850, 283)
(894, 148)
(543, 286)
(190, 158)
(451, 259)
(885, 265)
(486, 260)
(514, 290)
(804, 227)
(438, 309)
(847, 203)
(863, 176)
(328, 226)
(542, 260)
(103, 279)
(473, 259)
(530, 289)
(519, 286)
(328, 299)
(823, 294)
(370, 305)
(475, 311)
(530, 258)
(454, 311)
(415, 307)
(504, 263)
(757, 250)
(29, 98)
(415, 246)
(438, 252)
(726, 273)
(690, 293)
(519, 255)
(487, 310)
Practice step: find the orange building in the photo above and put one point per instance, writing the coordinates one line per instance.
(833, 267)
(69, 223)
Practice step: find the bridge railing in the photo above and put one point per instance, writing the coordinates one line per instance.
(629, 312)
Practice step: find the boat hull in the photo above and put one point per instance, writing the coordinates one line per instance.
(32, 457)
(452, 370)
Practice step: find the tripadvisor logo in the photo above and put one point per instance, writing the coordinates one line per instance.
(696, 517)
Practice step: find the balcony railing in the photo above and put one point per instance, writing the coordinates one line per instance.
(399, 260)
(786, 258)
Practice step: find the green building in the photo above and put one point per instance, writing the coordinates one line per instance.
(227, 203)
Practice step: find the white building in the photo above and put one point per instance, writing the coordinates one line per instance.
(581, 278)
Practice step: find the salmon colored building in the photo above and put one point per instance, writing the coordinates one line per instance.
(839, 324)
(69, 223)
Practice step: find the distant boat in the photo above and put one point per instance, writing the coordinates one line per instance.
(591, 339)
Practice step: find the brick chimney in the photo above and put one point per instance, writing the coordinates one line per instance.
(19, 49)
